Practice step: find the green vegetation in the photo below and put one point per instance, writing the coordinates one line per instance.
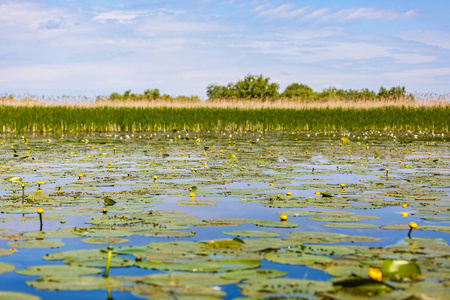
(259, 87)
(148, 95)
(58, 119)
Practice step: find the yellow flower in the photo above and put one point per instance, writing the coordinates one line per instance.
(404, 214)
(342, 185)
(375, 274)
(271, 184)
(39, 210)
(404, 205)
(283, 217)
(412, 225)
(317, 193)
(361, 180)
(288, 194)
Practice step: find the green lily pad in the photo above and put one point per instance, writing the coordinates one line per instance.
(193, 279)
(345, 270)
(13, 179)
(294, 258)
(5, 252)
(362, 287)
(36, 244)
(109, 201)
(288, 288)
(399, 270)
(350, 225)
(54, 270)
(252, 233)
(164, 233)
(277, 224)
(253, 274)
(336, 219)
(105, 241)
(4, 295)
(202, 266)
(6, 267)
(74, 283)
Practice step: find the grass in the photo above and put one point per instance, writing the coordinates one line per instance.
(29, 116)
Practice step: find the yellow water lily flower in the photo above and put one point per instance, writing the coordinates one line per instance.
(375, 274)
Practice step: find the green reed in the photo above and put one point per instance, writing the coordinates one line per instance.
(65, 119)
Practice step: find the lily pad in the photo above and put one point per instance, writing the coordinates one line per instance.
(36, 244)
(293, 258)
(277, 224)
(105, 240)
(193, 279)
(4, 295)
(74, 283)
(252, 233)
(54, 270)
(288, 288)
(350, 225)
(6, 267)
(253, 274)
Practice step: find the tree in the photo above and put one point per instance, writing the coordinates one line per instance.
(296, 90)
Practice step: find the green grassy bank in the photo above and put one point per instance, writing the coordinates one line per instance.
(59, 119)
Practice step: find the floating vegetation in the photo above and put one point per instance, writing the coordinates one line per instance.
(326, 214)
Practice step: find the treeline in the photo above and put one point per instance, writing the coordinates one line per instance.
(147, 95)
(259, 87)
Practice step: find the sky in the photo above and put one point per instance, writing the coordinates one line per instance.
(96, 47)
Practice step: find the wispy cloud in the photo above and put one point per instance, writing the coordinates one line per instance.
(290, 10)
(119, 16)
(283, 11)
(119, 45)
(439, 39)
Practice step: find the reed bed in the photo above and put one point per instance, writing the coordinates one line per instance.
(47, 118)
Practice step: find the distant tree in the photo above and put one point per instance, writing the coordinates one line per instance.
(152, 93)
(251, 87)
(296, 90)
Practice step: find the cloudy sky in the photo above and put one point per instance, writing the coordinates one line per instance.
(96, 47)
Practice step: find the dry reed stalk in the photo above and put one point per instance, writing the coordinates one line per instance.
(423, 100)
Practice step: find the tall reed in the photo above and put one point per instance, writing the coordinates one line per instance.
(95, 118)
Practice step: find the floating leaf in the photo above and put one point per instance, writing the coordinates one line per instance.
(293, 258)
(6, 267)
(253, 274)
(4, 295)
(36, 244)
(252, 233)
(54, 270)
(193, 279)
(277, 224)
(74, 283)
(13, 179)
(350, 225)
(399, 269)
(105, 240)
(284, 287)
(109, 201)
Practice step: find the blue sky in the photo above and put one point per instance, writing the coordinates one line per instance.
(94, 47)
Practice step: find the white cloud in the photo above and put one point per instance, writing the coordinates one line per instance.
(439, 39)
(368, 14)
(120, 16)
(327, 14)
(283, 11)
